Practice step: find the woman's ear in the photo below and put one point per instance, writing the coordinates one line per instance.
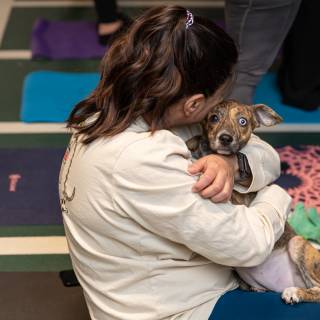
(193, 104)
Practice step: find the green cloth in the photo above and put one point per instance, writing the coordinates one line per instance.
(305, 223)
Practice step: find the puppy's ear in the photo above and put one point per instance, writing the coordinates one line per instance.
(265, 116)
(204, 125)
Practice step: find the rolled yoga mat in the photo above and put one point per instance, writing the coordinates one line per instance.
(49, 96)
(65, 40)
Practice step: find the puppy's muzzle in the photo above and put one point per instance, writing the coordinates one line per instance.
(225, 143)
(225, 139)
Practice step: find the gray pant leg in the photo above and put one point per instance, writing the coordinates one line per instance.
(258, 27)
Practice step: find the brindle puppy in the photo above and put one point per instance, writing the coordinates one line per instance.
(226, 130)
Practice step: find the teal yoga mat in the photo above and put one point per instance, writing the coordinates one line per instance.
(268, 93)
(49, 96)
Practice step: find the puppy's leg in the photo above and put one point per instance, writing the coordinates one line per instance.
(294, 295)
(307, 258)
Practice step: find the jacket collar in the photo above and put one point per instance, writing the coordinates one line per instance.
(184, 132)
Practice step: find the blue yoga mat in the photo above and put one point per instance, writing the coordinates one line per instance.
(49, 96)
(29, 186)
(246, 305)
(268, 93)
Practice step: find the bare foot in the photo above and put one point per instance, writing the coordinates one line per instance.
(109, 28)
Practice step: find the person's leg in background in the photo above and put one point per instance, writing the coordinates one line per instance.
(247, 305)
(106, 10)
(258, 27)
(299, 74)
(109, 20)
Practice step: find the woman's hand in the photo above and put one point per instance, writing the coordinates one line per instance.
(217, 176)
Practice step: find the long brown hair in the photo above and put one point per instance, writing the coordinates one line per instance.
(153, 65)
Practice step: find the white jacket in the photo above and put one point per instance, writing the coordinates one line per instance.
(142, 244)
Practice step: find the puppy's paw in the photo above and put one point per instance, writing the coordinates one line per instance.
(291, 295)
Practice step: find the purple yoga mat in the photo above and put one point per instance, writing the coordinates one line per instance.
(65, 40)
(29, 186)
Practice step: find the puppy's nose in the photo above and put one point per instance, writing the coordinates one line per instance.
(225, 139)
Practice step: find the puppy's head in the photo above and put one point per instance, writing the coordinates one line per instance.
(229, 124)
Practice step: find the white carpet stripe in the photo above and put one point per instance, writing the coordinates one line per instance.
(42, 245)
(21, 127)
(121, 3)
(5, 9)
(294, 127)
(15, 54)
(33, 245)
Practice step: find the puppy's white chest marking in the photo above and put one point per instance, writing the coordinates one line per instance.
(277, 273)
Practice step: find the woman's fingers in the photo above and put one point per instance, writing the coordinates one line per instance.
(225, 194)
(216, 182)
(198, 166)
(215, 187)
(221, 188)
(204, 181)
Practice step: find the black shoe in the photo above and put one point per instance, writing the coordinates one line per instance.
(107, 39)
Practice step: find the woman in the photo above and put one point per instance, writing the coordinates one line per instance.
(147, 239)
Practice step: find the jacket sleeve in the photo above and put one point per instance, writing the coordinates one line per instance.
(264, 163)
(153, 187)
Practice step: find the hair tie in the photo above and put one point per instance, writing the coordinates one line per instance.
(189, 21)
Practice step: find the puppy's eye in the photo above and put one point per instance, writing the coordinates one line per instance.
(242, 121)
(214, 119)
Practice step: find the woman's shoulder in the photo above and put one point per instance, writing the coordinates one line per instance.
(149, 149)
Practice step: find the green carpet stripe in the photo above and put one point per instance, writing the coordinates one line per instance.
(34, 140)
(24, 263)
(32, 231)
